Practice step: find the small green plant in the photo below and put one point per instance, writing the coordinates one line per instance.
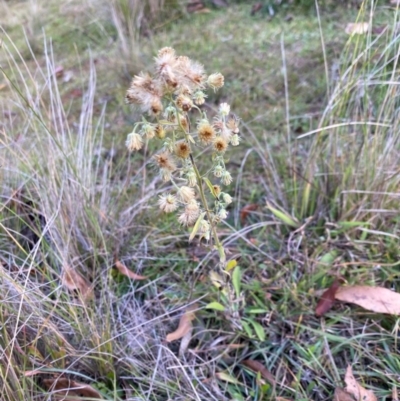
(172, 97)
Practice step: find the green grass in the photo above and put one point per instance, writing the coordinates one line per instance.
(321, 144)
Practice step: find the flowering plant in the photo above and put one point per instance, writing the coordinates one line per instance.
(170, 97)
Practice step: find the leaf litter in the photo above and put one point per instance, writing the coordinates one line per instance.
(185, 325)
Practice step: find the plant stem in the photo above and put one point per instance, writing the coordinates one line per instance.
(218, 244)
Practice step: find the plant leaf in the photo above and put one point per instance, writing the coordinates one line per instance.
(236, 278)
(355, 389)
(226, 377)
(375, 299)
(258, 329)
(185, 325)
(70, 390)
(258, 367)
(210, 187)
(283, 216)
(196, 226)
(215, 306)
(327, 299)
(128, 273)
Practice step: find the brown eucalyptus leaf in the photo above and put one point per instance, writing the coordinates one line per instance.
(355, 389)
(128, 273)
(342, 395)
(70, 390)
(258, 367)
(185, 325)
(74, 281)
(374, 299)
(327, 299)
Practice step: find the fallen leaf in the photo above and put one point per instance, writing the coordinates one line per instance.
(256, 8)
(357, 28)
(128, 273)
(342, 395)
(185, 325)
(375, 299)
(327, 299)
(70, 390)
(258, 367)
(74, 281)
(246, 210)
(355, 389)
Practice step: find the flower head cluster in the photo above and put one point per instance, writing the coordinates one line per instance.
(172, 96)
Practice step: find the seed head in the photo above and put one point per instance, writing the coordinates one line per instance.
(184, 102)
(168, 203)
(182, 149)
(235, 140)
(149, 130)
(215, 81)
(186, 194)
(191, 177)
(166, 63)
(191, 213)
(226, 178)
(227, 198)
(217, 189)
(224, 109)
(190, 73)
(220, 144)
(222, 214)
(206, 132)
(160, 131)
(218, 171)
(199, 98)
(165, 161)
(184, 123)
(134, 142)
(233, 125)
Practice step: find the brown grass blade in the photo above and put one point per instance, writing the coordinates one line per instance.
(258, 367)
(128, 273)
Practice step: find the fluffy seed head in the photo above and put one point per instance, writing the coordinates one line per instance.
(215, 81)
(184, 102)
(191, 178)
(165, 161)
(191, 213)
(186, 194)
(220, 144)
(235, 140)
(222, 214)
(233, 125)
(227, 198)
(218, 171)
(199, 98)
(206, 132)
(134, 142)
(224, 109)
(182, 149)
(184, 123)
(168, 203)
(149, 131)
(226, 178)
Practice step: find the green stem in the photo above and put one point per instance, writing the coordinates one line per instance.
(218, 244)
